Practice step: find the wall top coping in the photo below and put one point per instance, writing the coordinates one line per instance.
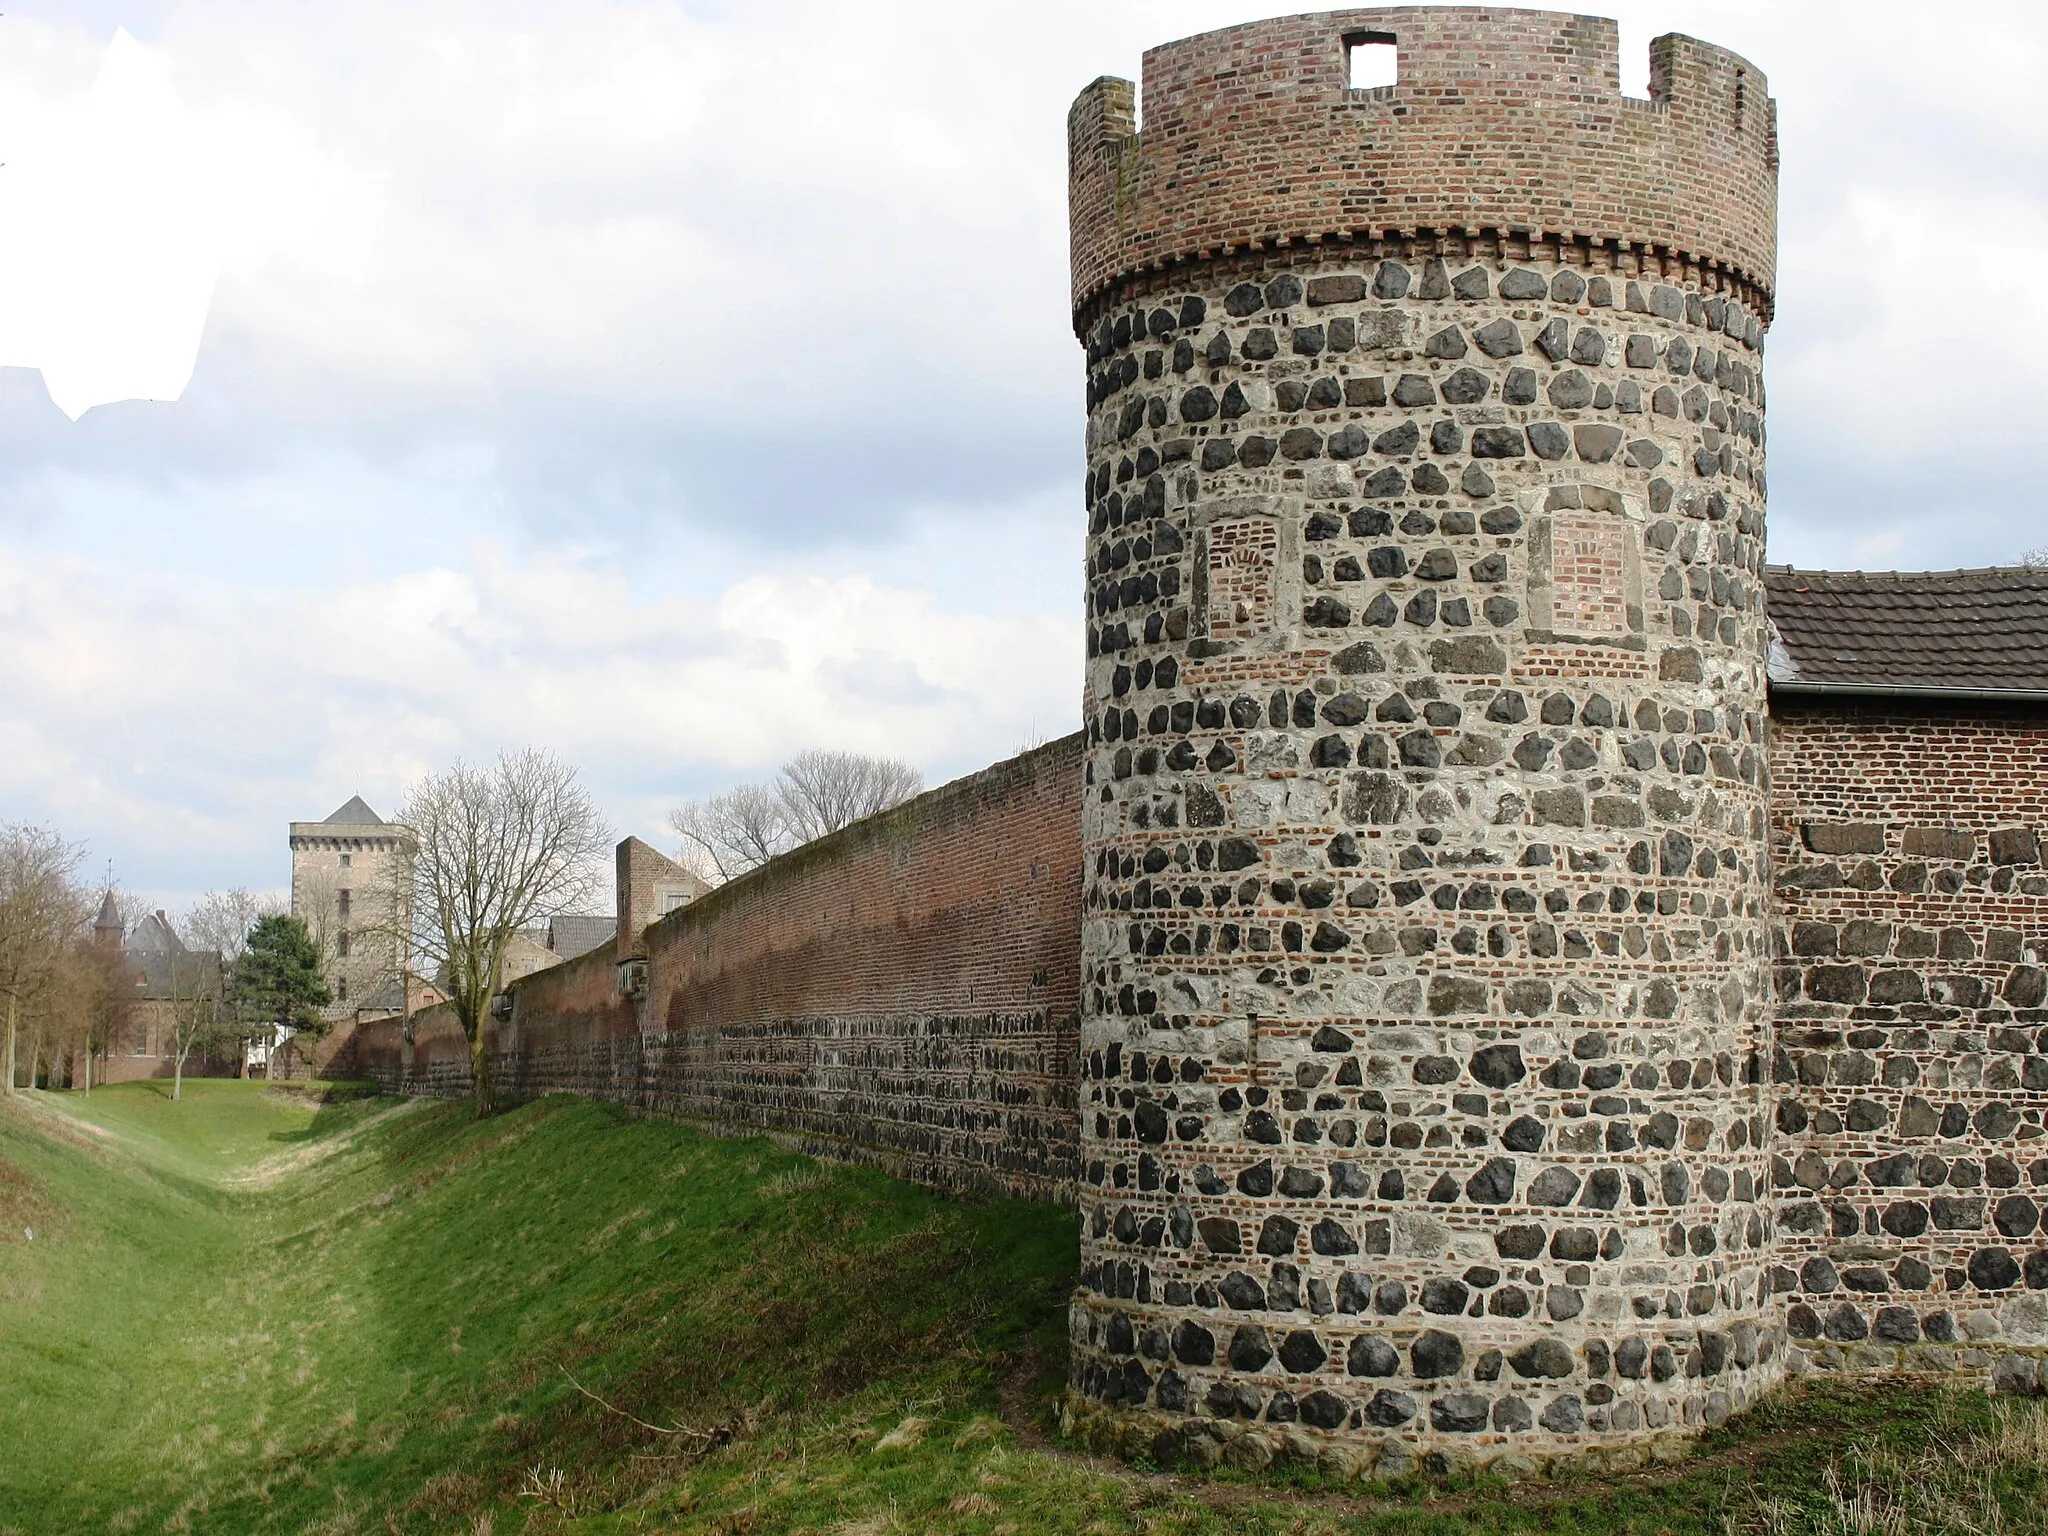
(1502, 121)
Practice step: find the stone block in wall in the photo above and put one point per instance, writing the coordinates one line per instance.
(1843, 837)
(2015, 845)
(1956, 843)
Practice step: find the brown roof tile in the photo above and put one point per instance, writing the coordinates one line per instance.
(1913, 630)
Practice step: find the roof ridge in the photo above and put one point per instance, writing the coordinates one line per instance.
(2031, 571)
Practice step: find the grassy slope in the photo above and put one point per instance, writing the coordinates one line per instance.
(383, 1320)
(376, 1329)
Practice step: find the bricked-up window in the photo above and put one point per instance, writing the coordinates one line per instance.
(1372, 59)
(1241, 556)
(1587, 560)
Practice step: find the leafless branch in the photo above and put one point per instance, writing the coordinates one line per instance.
(812, 794)
(824, 791)
(705, 1439)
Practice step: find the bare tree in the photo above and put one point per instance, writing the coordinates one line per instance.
(731, 833)
(316, 892)
(41, 910)
(492, 850)
(814, 793)
(198, 1020)
(221, 920)
(824, 791)
(57, 1026)
(105, 992)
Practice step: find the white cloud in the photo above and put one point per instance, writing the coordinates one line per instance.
(199, 718)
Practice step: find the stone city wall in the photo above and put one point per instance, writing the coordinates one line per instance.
(1912, 1059)
(1911, 929)
(901, 993)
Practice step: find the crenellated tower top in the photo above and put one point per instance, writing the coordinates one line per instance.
(1501, 124)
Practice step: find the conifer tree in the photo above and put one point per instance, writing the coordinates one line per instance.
(278, 980)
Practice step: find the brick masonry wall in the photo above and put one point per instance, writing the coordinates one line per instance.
(902, 994)
(1504, 121)
(1912, 1063)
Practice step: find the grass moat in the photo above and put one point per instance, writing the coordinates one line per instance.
(263, 1311)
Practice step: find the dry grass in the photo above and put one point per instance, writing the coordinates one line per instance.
(796, 1181)
(1960, 1482)
(907, 1436)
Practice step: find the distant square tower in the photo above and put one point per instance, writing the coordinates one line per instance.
(342, 873)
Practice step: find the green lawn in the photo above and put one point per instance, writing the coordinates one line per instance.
(249, 1313)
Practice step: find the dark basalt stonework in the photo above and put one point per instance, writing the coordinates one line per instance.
(1425, 947)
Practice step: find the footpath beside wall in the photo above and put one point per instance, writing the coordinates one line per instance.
(902, 993)
(1911, 1154)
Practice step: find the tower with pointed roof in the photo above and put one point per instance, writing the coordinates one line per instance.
(342, 869)
(108, 928)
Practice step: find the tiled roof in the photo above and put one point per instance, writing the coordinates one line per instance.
(356, 814)
(154, 935)
(162, 973)
(573, 934)
(1916, 631)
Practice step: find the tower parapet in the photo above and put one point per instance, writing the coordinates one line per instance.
(1501, 124)
(1425, 1015)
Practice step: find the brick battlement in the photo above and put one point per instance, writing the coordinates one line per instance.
(1502, 125)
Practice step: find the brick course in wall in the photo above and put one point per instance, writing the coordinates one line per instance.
(1502, 124)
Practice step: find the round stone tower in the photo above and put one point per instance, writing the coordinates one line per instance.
(1425, 1022)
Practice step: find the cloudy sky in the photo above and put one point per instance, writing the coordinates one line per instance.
(680, 385)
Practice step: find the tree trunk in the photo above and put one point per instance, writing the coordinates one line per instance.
(88, 1071)
(477, 1028)
(177, 1075)
(9, 1083)
(480, 1066)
